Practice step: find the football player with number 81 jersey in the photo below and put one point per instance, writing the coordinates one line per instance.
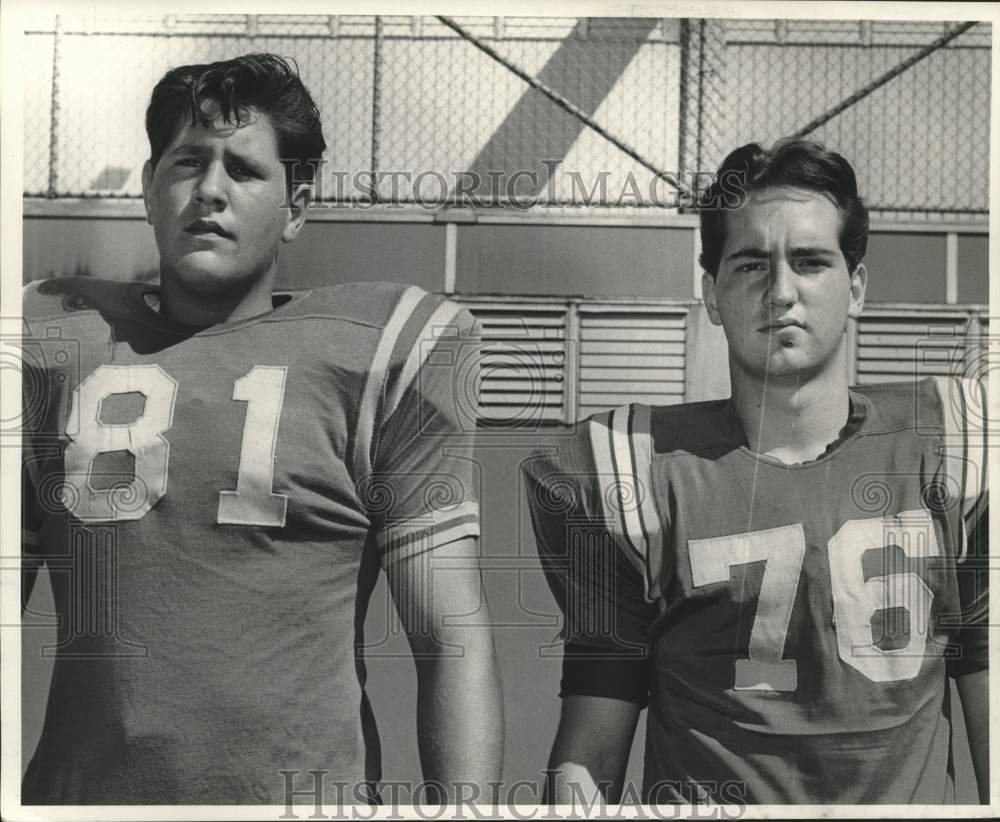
(217, 473)
(787, 578)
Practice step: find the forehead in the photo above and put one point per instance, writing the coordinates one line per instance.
(253, 136)
(784, 215)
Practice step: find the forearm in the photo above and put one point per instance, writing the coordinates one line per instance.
(580, 785)
(460, 722)
(459, 706)
(974, 692)
(591, 750)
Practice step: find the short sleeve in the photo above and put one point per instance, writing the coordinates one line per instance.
(423, 489)
(601, 593)
(965, 427)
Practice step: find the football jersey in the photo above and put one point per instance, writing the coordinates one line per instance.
(791, 626)
(214, 506)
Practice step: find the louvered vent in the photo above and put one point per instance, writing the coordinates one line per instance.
(630, 356)
(900, 345)
(523, 362)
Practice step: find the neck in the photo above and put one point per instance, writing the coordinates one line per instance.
(791, 421)
(190, 307)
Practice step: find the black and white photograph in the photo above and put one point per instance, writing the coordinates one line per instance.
(457, 410)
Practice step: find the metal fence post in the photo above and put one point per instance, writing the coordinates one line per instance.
(376, 105)
(53, 189)
(687, 129)
(712, 94)
(702, 95)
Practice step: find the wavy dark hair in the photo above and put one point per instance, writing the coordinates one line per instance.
(791, 163)
(265, 82)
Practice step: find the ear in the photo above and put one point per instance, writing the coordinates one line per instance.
(859, 282)
(300, 200)
(711, 298)
(147, 185)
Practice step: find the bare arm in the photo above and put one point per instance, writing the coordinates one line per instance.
(973, 689)
(441, 603)
(591, 749)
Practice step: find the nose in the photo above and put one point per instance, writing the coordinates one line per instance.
(211, 188)
(783, 288)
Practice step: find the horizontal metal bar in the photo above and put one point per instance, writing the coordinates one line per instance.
(174, 33)
(909, 44)
(117, 207)
(505, 207)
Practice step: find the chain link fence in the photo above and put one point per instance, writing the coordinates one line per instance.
(551, 113)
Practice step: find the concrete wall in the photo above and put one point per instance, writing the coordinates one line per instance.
(604, 258)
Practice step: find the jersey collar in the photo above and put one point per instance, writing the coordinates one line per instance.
(856, 417)
(144, 300)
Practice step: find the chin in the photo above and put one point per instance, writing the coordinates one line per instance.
(212, 278)
(780, 366)
(802, 368)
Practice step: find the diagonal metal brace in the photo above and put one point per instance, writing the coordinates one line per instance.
(567, 106)
(880, 81)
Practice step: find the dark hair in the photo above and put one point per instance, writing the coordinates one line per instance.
(264, 82)
(792, 163)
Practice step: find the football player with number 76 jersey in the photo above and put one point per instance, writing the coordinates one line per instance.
(216, 474)
(787, 578)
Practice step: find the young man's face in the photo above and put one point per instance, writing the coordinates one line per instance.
(217, 204)
(783, 293)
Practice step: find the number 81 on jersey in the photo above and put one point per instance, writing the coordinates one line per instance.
(252, 503)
